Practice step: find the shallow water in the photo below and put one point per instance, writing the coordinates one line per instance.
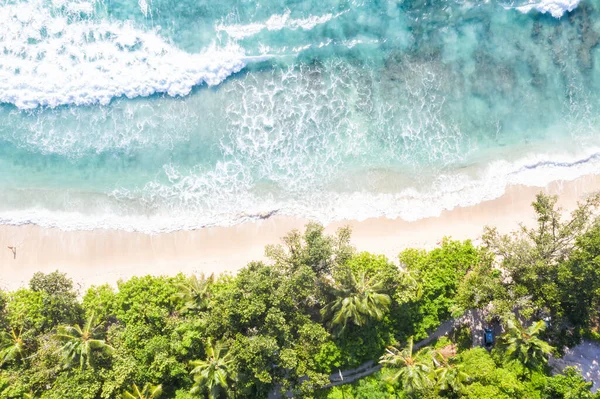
(161, 115)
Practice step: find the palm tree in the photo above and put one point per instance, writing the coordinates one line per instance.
(450, 377)
(525, 345)
(359, 299)
(411, 290)
(214, 374)
(81, 343)
(12, 346)
(195, 292)
(148, 392)
(415, 369)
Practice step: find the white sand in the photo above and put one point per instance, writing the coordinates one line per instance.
(104, 256)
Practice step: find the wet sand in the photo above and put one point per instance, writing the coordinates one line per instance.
(105, 256)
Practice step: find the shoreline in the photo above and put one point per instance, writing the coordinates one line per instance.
(94, 257)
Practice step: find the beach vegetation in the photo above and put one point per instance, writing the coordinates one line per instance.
(414, 370)
(147, 392)
(358, 299)
(81, 343)
(215, 375)
(12, 346)
(194, 293)
(526, 344)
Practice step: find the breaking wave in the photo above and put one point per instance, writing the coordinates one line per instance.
(556, 8)
(237, 206)
(57, 57)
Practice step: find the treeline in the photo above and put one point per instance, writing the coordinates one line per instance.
(318, 307)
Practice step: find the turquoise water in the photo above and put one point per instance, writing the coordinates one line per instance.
(162, 115)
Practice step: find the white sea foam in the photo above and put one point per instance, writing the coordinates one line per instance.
(143, 7)
(51, 59)
(274, 23)
(448, 192)
(461, 190)
(556, 8)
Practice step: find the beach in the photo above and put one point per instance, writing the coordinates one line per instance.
(147, 146)
(104, 256)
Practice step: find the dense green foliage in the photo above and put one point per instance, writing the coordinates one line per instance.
(317, 308)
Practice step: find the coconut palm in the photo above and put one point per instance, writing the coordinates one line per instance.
(194, 293)
(12, 347)
(147, 392)
(448, 376)
(358, 299)
(82, 343)
(411, 290)
(525, 345)
(215, 374)
(414, 369)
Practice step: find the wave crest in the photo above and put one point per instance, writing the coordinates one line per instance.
(52, 58)
(238, 205)
(556, 8)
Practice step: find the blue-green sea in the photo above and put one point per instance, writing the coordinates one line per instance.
(159, 115)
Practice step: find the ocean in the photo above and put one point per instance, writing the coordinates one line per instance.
(161, 115)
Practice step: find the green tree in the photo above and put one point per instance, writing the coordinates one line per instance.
(314, 248)
(80, 344)
(359, 299)
(531, 256)
(483, 288)
(377, 267)
(194, 293)
(12, 346)
(269, 317)
(25, 310)
(449, 374)
(436, 275)
(146, 300)
(59, 298)
(414, 369)
(525, 345)
(147, 392)
(74, 384)
(52, 283)
(486, 378)
(215, 374)
(100, 300)
(450, 377)
(478, 390)
(579, 280)
(568, 385)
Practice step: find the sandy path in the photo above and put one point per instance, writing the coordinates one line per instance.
(585, 357)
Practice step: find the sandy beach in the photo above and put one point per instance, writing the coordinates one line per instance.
(105, 256)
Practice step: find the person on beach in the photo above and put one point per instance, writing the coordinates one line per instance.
(14, 251)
